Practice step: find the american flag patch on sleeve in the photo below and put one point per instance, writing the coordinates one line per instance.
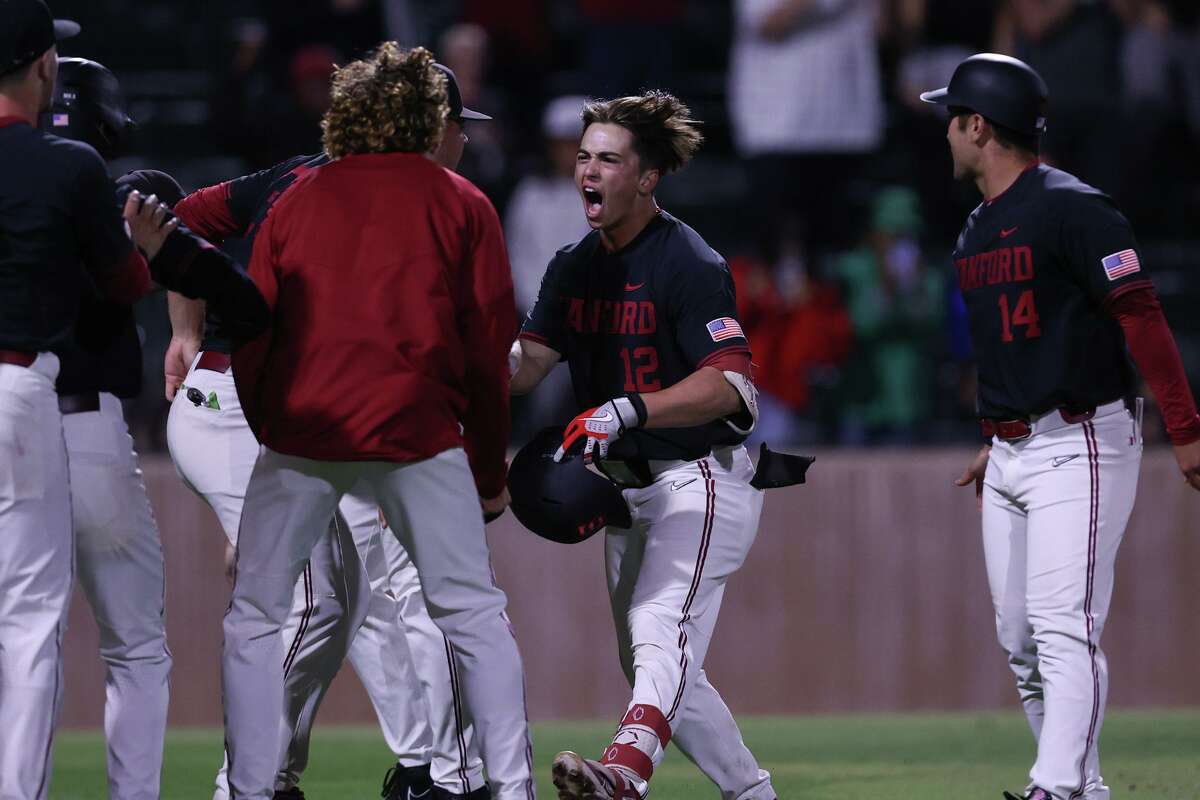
(60, 120)
(724, 328)
(1118, 265)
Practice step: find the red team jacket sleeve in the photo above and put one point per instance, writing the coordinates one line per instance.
(207, 213)
(1153, 350)
(488, 320)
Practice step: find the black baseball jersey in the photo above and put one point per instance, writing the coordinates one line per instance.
(61, 235)
(232, 212)
(639, 320)
(105, 355)
(1037, 266)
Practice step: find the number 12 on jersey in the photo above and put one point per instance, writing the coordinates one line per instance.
(640, 366)
(1023, 313)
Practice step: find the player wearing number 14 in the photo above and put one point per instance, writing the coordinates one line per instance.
(1055, 293)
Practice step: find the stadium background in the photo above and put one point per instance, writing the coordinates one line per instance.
(866, 590)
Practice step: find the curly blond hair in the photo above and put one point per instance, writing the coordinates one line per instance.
(665, 136)
(392, 101)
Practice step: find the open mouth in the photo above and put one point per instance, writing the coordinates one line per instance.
(593, 201)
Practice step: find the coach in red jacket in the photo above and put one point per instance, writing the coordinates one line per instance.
(392, 316)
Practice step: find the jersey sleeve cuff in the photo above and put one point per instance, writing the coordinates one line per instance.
(1187, 434)
(1124, 289)
(723, 353)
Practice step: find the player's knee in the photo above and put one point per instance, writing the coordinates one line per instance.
(1016, 637)
(457, 609)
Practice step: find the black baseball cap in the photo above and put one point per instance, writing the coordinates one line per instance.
(454, 96)
(27, 30)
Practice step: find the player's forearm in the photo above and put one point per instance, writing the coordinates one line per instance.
(700, 398)
(1153, 349)
(533, 363)
(187, 317)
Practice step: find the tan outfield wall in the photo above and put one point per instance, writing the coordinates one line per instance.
(864, 591)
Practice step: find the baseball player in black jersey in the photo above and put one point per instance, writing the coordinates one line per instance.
(1056, 295)
(643, 312)
(118, 553)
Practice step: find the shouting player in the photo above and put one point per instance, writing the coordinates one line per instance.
(643, 311)
(1055, 292)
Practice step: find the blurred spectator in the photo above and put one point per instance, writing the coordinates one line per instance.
(629, 45)
(799, 333)
(1160, 71)
(1074, 45)
(806, 105)
(897, 306)
(928, 39)
(464, 49)
(352, 27)
(262, 124)
(545, 214)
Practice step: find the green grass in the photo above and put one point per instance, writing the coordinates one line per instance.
(1150, 754)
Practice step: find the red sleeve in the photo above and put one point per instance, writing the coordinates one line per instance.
(206, 211)
(488, 321)
(128, 281)
(731, 359)
(1153, 349)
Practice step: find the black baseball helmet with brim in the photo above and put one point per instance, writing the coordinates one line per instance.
(1001, 88)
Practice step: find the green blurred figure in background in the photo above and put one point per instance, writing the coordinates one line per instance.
(897, 307)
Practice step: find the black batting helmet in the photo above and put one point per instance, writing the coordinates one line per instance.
(1002, 89)
(89, 107)
(562, 501)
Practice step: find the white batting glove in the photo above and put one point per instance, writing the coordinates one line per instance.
(602, 426)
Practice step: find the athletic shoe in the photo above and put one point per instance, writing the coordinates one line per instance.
(482, 793)
(1034, 794)
(579, 778)
(407, 783)
(293, 793)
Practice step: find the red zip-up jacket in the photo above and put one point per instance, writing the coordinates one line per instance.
(393, 313)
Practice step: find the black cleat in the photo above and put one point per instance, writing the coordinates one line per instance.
(407, 783)
(1034, 794)
(293, 793)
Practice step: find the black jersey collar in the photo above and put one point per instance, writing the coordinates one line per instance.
(1037, 162)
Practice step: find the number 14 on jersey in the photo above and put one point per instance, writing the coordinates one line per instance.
(1023, 313)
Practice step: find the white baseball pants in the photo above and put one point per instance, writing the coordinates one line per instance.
(37, 556)
(214, 451)
(1055, 507)
(432, 506)
(456, 766)
(692, 529)
(120, 563)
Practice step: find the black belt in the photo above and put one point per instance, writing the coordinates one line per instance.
(79, 403)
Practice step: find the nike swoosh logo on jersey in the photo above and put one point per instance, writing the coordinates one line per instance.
(1005, 233)
(629, 287)
(1058, 461)
(677, 485)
